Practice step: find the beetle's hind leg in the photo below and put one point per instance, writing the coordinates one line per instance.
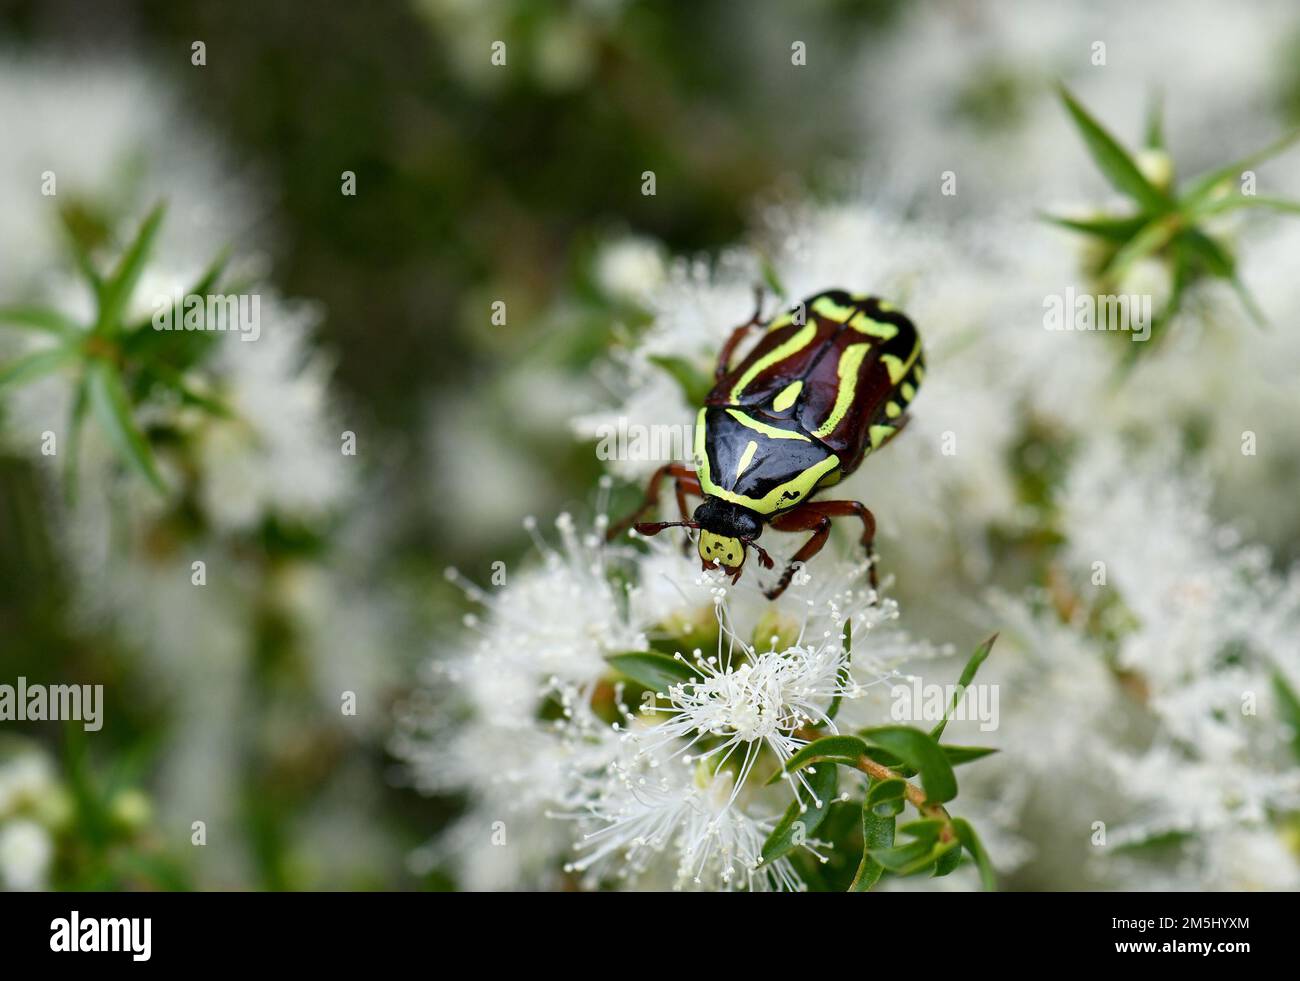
(815, 516)
(684, 482)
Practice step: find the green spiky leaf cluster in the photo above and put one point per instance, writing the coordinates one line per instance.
(115, 363)
(1167, 219)
(935, 842)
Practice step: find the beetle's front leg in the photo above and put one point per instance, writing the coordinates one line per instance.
(815, 516)
(728, 349)
(684, 481)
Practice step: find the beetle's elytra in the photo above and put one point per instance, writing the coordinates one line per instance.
(829, 382)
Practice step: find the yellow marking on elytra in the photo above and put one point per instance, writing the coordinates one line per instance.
(827, 307)
(892, 410)
(746, 457)
(897, 368)
(850, 362)
(879, 434)
(909, 390)
(788, 394)
(795, 344)
(785, 320)
(920, 374)
(876, 328)
(764, 428)
(885, 306)
(774, 500)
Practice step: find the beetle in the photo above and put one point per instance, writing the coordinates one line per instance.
(828, 383)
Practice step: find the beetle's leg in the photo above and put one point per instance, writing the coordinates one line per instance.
(801, 518)
(815, 516)
(728, 349)
(682, 475)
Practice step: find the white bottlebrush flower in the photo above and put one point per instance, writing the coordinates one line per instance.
(747, 700)
(529, 720)
(652, 810)
(630, 268)
(26, 852)
(112, 137)
(987, 111)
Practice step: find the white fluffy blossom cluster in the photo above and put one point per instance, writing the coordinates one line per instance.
(1127, 529)
(106, 142)
(563, 775)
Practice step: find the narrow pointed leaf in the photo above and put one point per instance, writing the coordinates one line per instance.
(1289, 709)
(1235, 201)
(37, 318)
(877, 835)
(966, 754)
(120, 285)
(937, 852)
(38, 364)
(1113, 160)
(112, 408)
(72, 448)
(1110, 229)
(920, 750)
(970, 841)
(963, 682)
(1202, 187)
(837, 749)
(658, 672)
(803, 817)
(1151, 239)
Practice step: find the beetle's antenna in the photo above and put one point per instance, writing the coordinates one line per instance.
(763, 557)
(654, 527)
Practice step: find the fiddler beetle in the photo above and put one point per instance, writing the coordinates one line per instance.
(829, 382)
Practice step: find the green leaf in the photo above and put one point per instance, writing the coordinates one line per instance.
(926, 829)
(771, 278)
(1234, 201)
(1116, 230)
(970, 841)
(963, 682)
(695, 384)
(886, 797)
(1155, 128)
(938, 851)
(72, 449)
(118, 288)
(803, 817)
(38, 318)
(36, 365)
(113, 409)
(901, 856)
(920, 750)
(658, 672)
(1289, 706)
(1213, 257)
(966, 754)
(1113, 160)
(846, 750)
(1202, 187)
(948, 863)
(877, 835)
(1151, 239)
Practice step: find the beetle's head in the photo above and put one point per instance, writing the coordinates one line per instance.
(726, 531)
